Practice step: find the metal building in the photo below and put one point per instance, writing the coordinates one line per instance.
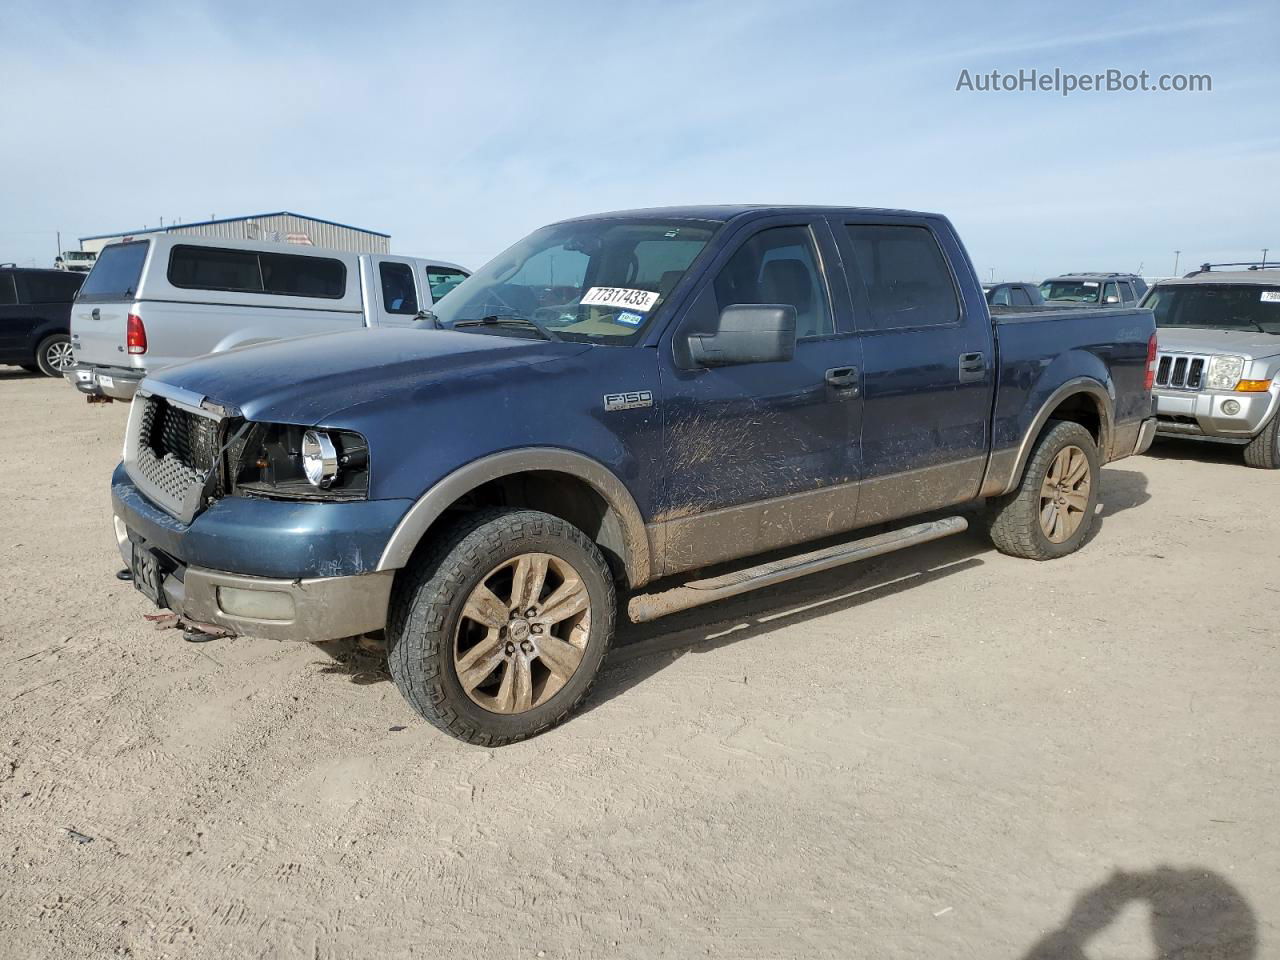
(282, 227)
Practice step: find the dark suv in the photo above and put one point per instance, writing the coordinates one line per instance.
(1099, 289)
(35, 318)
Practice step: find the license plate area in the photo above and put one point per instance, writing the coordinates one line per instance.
(147, 577)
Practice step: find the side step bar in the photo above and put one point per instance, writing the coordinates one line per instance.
(651, 606)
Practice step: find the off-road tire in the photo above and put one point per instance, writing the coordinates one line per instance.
(1013, 520)
(427, 603)
(43, 363)
(1263, 451)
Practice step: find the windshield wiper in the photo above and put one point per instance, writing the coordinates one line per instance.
(507, 320)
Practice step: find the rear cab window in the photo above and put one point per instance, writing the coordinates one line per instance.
(1020, 297)
(116, 273)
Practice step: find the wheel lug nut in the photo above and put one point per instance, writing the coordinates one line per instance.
(536, 628)
(511, 648)
(530, 612)
(526, 647)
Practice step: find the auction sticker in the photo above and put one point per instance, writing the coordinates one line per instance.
(1271, 296)
(642, 300)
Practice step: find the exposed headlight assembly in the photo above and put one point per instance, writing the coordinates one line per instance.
(297, 463)
(1224, 372)
(319, 459)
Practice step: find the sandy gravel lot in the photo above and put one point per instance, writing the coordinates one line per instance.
(941, 753)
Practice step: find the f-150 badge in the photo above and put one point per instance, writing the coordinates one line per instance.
(629, 400)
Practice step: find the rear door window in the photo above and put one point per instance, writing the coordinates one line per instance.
(287, 275)
(8, 295)
(1020, 298)
(50, 287)
(398, 293)
(1126, 292)
(1000, 298)
(116, 272)
(906, 276)
(440, 280)
(1110, 293)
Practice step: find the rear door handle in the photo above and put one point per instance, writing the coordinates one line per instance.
(843, 378)
(973, 366)
(94, 313)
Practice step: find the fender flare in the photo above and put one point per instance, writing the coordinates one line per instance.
(431, 505)
(994, 485)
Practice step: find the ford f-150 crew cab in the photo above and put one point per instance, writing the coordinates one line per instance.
(615, 401)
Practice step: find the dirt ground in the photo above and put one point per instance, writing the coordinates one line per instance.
(941, 753)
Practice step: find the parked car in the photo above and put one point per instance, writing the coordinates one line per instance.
(78, 261)
(154, 302)
(696, 385)
(1013, 294)
(1218, 373)
(1099, 289)
(35, 318)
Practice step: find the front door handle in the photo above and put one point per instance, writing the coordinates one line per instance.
(843, 378)
(973, 366)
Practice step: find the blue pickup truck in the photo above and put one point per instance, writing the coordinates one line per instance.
(619, 402)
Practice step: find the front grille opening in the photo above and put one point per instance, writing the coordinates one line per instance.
(176, 449)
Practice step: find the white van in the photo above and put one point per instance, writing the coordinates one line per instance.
(153, 302)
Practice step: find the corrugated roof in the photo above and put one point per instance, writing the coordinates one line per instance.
(247, 216)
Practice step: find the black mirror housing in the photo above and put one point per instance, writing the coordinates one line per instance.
(747, 333)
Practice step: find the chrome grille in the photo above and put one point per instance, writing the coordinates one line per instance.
(176, 449)
(1181, 372)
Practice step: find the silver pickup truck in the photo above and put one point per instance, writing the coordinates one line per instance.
(1218, 369)
(154, 302)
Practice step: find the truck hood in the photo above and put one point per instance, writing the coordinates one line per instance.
(1236, 343)
(310, 379)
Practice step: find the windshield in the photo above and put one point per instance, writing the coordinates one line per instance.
(1072, 291)
(587, 280)
(1217, 306)
(116, 271)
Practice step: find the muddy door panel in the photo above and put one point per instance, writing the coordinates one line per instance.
(762, 455)
(928, 368)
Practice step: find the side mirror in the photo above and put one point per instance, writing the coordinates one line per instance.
(747, 333)
(1113, 299)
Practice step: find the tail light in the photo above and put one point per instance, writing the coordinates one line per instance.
(135, 337)
(1151, 363)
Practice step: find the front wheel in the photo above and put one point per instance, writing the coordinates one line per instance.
(1051, 512)
(1263, 450)
(54, 355)
(499, 633)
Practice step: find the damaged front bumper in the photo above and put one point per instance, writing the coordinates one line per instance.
(274, 569)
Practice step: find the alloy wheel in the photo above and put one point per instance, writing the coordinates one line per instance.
(1064, 495)
(522, 633)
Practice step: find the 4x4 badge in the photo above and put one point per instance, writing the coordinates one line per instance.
(629, 400)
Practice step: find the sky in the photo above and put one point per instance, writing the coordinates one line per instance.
(459, 127)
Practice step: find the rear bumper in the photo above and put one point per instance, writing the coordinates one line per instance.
(118, 383)
(1146, 435)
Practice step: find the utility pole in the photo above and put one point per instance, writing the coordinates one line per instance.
(1264, 258)
(991, 272)
(60, 245)
(1176, 255)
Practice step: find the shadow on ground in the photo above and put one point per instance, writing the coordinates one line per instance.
(1195, 915)
(17, 373)
(1199, 451)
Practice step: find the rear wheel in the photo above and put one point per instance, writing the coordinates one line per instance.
(1263, 450)
(498, 634)
(1051, 512)
(54, 355)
